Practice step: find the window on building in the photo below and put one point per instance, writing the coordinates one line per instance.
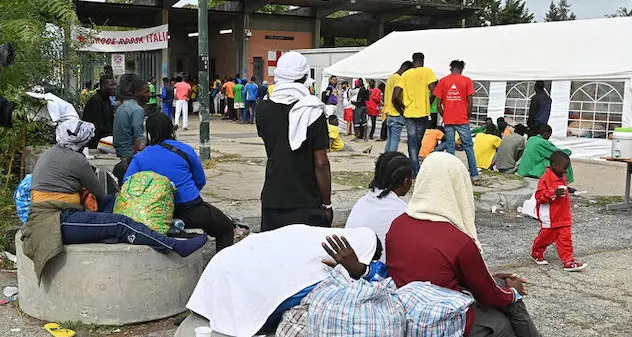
(596, 108)
(518, 100)
(480, 102)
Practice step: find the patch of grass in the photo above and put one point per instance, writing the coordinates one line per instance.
(607, 200)
(220, 158)
(495, 174)
(92, 330)
(477, 195)
(357, 179)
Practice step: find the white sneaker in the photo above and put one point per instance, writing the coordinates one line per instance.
(541, 262)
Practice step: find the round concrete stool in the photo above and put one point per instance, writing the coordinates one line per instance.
(109, 284)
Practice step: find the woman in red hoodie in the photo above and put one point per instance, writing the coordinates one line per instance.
(373, 105)
(435, 240)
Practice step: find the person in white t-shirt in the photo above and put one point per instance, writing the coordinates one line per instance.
(382, 204)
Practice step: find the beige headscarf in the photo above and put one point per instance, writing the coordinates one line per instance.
(443, 192)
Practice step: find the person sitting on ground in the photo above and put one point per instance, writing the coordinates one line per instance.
(99, 110)
(431, 140)
(554, 214)
(335, 142)
(485, 145)
(510, 150)
(247, 287)
(179, 162)
(435, 241)
(58, 215)
(483, 128)
(382, 204)
(504, 128)
(537, 153)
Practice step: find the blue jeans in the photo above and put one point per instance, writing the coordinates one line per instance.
(251, 106)
(441, 147)
(468, 145)
(415, 129)
(395, 126)
(94, 227)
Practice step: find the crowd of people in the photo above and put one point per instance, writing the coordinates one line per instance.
(432, 238)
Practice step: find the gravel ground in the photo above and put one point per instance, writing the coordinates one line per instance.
(592, 303)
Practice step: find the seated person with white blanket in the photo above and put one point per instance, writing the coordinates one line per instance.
(246, 287)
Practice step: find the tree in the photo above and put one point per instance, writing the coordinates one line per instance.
(487, 16)
(273, 9)
(559, 12)
(514, 11)
(621, 12)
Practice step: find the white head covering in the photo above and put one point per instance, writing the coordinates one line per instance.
(74, 134)
(293, 66)
(443, 192)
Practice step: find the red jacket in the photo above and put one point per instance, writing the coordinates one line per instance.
(553, 211)
(373, 104)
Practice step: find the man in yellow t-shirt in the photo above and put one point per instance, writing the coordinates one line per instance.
(485, 146)
(395, 121)
(412, 99)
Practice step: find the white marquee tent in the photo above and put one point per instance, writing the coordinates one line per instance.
(588, 64)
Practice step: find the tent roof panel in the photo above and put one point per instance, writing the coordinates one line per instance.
(584, 49)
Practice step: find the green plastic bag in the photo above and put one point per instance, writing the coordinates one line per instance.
(147, 197)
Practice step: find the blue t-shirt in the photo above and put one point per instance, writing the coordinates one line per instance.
(252, 91)
(188, 180)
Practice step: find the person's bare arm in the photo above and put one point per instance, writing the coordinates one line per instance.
(470, 105)
(432, 86)
(398, 99)
(439, 106)
(323, 176)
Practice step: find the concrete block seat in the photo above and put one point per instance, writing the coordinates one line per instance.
(110, 284)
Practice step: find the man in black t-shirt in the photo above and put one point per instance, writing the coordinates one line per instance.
(99, 110)
(297, 188)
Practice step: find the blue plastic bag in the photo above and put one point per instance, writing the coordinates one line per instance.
(22, 198)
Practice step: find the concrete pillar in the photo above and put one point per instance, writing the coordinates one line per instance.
(316, 34)
(165, 52)
(245, 60)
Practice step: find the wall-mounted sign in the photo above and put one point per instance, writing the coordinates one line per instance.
(279, 37)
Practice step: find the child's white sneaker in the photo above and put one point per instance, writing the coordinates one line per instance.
(574, 266)
(539, 260)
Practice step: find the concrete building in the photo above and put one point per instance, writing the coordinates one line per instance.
(243, 40)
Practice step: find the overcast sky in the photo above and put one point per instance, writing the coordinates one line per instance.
(584, 9)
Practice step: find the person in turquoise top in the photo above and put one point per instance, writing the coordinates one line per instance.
(537, 153)
(153, 100)
(240, 105)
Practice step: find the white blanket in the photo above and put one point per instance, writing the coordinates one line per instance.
(243, 284)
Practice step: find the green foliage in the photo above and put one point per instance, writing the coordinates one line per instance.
(621, 12)
(351, 42)
(497, 12)
(559, 12)
(273, 9)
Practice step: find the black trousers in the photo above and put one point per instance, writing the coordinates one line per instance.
(373, 122)
(512, 321)
(272, 218)
(202, 215)
(232, 113)
(384, 129)
(434, 120)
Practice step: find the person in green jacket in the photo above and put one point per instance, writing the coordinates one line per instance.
(483, 128)
(240, 103)
(537, 153)
(153, 100)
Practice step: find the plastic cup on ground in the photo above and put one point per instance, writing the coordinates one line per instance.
(203, 331)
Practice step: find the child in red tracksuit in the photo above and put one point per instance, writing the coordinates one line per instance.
(554, 213)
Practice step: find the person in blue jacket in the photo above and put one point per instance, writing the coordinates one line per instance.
(179, 162)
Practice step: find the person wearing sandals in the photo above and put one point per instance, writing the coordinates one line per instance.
(179, 162)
